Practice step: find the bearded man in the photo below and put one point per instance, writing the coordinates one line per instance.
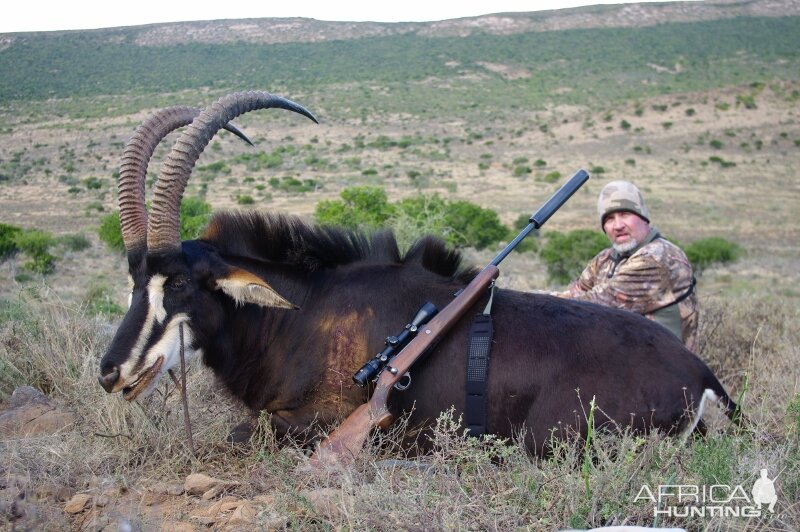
(641, 271)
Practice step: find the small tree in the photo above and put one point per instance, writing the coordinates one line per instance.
(36, 245)
(361, 206)
(460, 223)
(8, 245)
(566, 254)
(713, 250)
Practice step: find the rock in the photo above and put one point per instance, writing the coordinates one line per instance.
(171, 489)
(227, 506)
(245, 514)
(214, 492)
(198, 483)
(31, 413)
(78, 503)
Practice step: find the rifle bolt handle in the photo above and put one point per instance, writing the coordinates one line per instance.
(392, 370)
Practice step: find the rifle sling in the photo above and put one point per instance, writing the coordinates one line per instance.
(480, 346)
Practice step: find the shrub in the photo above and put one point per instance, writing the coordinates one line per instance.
(530, 243)
(460, 223)
(552, 177)
(93, 183)
(36, 245)
(293, 185)
(110, 232)
(746, 100)
(8, 245)
(245, 199)
(76, 242)
(473, 225)
(522, 170)
(566, 254)
(361, 206)
(195, 214)
(713, 250)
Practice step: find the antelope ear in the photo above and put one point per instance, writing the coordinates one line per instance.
(244, 287)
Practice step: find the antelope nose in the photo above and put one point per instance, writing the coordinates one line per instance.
(108, 380)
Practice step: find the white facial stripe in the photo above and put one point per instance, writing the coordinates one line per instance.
(157, 283)
(155, 293)
(169, 346)
(130, 291)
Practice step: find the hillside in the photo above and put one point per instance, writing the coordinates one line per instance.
(582, 55)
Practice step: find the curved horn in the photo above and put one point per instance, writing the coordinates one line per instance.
(133, 168)
(164, 224)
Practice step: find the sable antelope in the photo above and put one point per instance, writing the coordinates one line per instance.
(284, 313)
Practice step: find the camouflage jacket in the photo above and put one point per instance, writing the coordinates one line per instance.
(649, 280)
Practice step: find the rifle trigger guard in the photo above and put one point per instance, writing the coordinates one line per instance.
(404, 382)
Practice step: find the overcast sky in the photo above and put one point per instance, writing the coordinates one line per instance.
(48, 15)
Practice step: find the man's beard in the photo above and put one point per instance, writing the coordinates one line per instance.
(626, 247)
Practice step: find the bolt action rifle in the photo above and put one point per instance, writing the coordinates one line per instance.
(346, 441)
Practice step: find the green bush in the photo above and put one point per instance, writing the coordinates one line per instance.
(552, 177)
(522, 170)
(530, 242)
(75, 242)
(293, 185)
(36, 245)
(110, 232)
(8, 245)
(567, 254)
(93, 183)
(473, 225)
(460, 223)
(195, 214)
(713, 250)
(361, 206)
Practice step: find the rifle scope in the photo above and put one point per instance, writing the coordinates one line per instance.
(394, 344)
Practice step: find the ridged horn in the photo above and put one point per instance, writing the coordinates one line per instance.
(163, 231)
(133, 168)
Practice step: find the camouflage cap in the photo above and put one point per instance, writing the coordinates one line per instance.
(621, 196)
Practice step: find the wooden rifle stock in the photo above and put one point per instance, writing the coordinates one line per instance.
(343, 444)
(346, 441)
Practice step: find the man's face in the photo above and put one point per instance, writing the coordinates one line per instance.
(626, 230)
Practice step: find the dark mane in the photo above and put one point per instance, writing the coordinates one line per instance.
(289, 240)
